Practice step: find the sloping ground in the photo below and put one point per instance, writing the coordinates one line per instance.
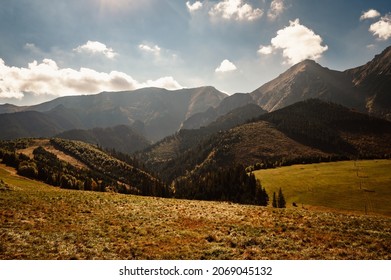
(45, 143)
(254, 142)
(121, 138)
(306, 132)
(78, 165)
(42, 222)
(363, 186)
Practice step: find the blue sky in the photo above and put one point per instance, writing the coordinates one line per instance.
(56, 48)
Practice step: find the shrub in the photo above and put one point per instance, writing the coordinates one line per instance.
(28, 169)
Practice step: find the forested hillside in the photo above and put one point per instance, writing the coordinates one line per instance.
(102, 172)
(306, 132)
(121, 138)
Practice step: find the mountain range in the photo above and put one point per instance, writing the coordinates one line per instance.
(153, 113)
(365, 88)
(305, 132)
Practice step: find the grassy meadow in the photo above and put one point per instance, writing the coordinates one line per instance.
(363, 186)
(38, 221)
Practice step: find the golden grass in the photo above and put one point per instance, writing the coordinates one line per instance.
(363, 186)
(43, 222)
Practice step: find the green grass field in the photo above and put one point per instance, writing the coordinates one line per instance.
(363, 186)
(38, 221)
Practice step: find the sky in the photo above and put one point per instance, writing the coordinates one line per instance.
(52, 48)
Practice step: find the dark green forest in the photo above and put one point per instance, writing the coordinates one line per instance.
(224, 184)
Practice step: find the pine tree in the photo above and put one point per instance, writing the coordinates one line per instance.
(261, 197)
(281, 199)
(274, 203)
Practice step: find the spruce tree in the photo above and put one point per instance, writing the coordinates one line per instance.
(274, 203)
(281, 199)
(262, 198)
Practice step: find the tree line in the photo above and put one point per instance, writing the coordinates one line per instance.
(224, 184)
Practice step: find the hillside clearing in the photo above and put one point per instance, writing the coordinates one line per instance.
(45, 143)
(38, 221)
(363, 186)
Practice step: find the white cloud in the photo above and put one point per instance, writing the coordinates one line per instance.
(298, 43)
(225, 66)
(277, 7)
(194, 7)
(236, 10)
(164, 82)
(31, 47)
(46, 78)
(382, 28)
(370, 14)
(154, 49)
(265, 50)
(94, 47)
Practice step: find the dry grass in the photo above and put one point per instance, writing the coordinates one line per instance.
(362, 186)
(45, 143)
(42, 222)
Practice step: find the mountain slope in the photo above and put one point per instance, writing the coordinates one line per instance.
(333, 128)
(365, 88)
(160, 111)
(78, 165)
(228, 104)
(308, 131)
(306, 80)
(374, 79)
(121, 138)
(27, 124)
(167, 152)
(10, 108)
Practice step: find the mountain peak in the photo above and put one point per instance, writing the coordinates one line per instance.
(308, 64)
(302, 81)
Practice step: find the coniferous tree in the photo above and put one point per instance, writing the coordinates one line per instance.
(274, 203)
(262, 198)
(281, 199)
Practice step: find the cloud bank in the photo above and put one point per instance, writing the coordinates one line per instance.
(297, 43)
(46, 78)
